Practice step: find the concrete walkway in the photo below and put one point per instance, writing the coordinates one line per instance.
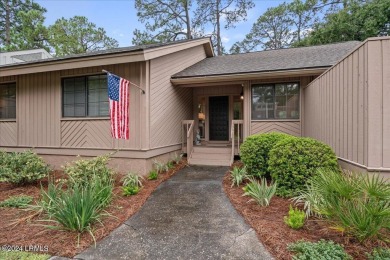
(187, 217)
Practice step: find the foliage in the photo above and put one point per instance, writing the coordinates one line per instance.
(77, 207)
(311, 198)
(254, 152)
(160, 167)
(260, 192)
(153, 175)
(355, 203)
(82, 171)
(22, 168)
(358, 20)
(293, 161)
(77, 35)
(20, 255)
(132, 179)
(130, 190)
(177, 158)
(20, 201)
(170, 165)
(295, 218)
(238, 175)
(379, 254)
(321, 250)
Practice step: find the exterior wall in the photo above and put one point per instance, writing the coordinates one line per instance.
(349, 106)
(292, 127)
(170, 105)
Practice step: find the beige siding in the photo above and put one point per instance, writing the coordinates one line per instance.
(8, 132)
(291, 128)
(170, 105)
(350, 106)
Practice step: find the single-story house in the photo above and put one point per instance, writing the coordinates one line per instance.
(201, 104)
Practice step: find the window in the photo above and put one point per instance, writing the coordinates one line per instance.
(85, 96)
(275, 101)
(8, 101)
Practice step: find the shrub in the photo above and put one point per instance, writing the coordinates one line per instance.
(20, 201)
(354, 203)
(238, 175)
(153, 175)
(130, 190)
(170, 165)
(295, 218)
(379, 254)
(254, 152)
(177, 158)
(293, 161)
(132, 179)
(22, 168)
(322, 250)
(260, 191)
(160, 167)
(82, 171)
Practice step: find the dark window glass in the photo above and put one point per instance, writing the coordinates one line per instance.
(85, 96)
(8, 101)
(275, 101)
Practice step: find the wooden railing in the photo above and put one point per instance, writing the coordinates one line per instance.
(188, 137)
(236, 125)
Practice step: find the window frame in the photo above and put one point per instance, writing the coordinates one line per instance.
(273, 84)
(12, 119)
(86, 92)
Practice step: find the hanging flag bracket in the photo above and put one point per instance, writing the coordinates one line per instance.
(135, 85)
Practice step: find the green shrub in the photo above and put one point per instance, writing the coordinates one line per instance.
(293, 161)
(355, 203)
(238, 175)
(130, 190)
(379, 254)
(20, 201)
(260, 191)
(322, 250)
(22, 168)
(82, 171)
(295, 218)
(20, 255)
(170, 165)
(254, 152)
(132, 179)
(153, 175)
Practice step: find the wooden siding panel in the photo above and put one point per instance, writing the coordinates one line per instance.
(8, 136)
(350, 103)
(291, 128)
(170, 105)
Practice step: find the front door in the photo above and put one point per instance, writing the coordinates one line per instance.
(219, 118)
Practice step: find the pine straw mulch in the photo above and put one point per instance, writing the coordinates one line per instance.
(30, 232)
(276, 235)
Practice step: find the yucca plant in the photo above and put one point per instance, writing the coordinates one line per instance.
(132, 179)
(260, 191)
(238, 175)
(160, 167)
(177, 158)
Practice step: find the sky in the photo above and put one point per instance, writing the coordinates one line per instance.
(119, 18)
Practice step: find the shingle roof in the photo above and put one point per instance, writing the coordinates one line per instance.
(28, 57)
(270, 60)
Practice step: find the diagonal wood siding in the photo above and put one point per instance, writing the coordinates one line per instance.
(170, 105)
(8, 135)
(350, 106)
(291, 128)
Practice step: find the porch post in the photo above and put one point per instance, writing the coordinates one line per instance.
(247, 109)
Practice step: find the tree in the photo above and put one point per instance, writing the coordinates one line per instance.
(11, 21)
(219, 12)
(357, 21)
(303, 16)
(78, 35)
(165, 21)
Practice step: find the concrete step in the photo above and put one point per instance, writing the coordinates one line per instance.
(214, 156)
(218, 150)
(209, 162)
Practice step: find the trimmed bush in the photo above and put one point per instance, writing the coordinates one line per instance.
(22, 168)
(254, 152)
(322, 250)
(293, 161)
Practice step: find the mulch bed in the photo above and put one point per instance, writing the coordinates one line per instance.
(61, 243)
(276, 235)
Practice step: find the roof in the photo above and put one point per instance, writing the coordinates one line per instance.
(271, 60)
(107, 52)
(28, 57)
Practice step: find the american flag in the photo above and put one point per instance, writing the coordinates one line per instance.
(118, 94)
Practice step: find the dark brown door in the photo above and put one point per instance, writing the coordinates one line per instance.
(219, 118)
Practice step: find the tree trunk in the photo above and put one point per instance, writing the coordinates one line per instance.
(7, 24)
(219, 49)
(188, 21)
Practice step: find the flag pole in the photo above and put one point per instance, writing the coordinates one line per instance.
(135, 85)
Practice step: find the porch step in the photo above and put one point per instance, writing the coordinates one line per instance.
(213, 156)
